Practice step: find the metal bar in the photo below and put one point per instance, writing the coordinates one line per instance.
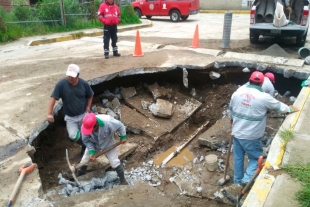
(21, 22)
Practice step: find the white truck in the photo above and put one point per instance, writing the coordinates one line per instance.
(261, 21)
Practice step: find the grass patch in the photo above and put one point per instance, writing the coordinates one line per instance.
(287, 135)
(301, 173)
(28, 18)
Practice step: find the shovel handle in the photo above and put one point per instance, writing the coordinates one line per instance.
(98, 154)
(24, 169)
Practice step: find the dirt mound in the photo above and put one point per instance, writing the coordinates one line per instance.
(275, 50)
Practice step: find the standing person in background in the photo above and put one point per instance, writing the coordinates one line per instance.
(268, 84)
(77, 96)
(248, 107)
(109, 14)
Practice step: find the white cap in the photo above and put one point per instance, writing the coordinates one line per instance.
(73, 70)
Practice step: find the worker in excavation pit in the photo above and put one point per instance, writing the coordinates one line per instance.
(248, 108)
(98, 134)
(76, 96)
(267, 86)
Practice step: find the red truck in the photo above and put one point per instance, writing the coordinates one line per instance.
(176, 9)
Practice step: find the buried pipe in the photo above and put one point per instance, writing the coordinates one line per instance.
(303, 52)
(270, 8)
(261, 11)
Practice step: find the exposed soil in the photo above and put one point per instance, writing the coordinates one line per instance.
(52, 143)
(43, 66)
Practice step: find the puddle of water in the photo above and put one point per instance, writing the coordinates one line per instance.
(180, 160)
(11, 149)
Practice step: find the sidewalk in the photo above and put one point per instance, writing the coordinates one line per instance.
(275, 187)
(65, 36)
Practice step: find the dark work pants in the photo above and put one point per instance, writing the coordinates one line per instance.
(109, 32)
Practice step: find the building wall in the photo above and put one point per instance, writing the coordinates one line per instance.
(6, 4)
(225, 4)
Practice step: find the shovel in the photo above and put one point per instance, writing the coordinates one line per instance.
(74, 167)
(24, 169)
(236, 200)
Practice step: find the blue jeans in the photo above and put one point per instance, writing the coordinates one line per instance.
(254, 149)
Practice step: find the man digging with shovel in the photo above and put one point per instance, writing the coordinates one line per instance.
(97, 134)
(248, 108)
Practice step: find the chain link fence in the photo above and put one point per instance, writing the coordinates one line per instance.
(51, 11)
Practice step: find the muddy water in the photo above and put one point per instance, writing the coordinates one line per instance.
(180, 160)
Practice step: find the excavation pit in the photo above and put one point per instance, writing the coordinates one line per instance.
(205, 99)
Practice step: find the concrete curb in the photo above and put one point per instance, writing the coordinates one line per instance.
(78, 35)
(223, 11)
(264, 182)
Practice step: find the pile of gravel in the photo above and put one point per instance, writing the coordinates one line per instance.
(276, 51)
(108, 182)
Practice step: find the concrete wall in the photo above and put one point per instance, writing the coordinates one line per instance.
(225, 4)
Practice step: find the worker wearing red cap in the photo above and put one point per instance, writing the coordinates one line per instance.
(267, 86)
(248, 108)
(98, 134)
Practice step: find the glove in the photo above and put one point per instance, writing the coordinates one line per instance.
(289, 9)
(92, 158)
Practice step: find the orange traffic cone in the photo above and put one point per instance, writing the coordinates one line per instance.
(138, 50)
(195, 42)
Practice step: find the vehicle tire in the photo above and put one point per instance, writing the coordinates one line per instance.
(254, 37)
(175, 16)
(148, 17)
(184, 17)
(301, 40)
(138, 12)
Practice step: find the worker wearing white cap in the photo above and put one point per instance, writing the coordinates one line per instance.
(76, 95)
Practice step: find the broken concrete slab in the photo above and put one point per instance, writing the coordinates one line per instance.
(115, 104)
(216, 134)
(184, 107)
(159, 91)
(128, 92)
(123, 151)
(162, 108)
(135, 120)
(101, 110)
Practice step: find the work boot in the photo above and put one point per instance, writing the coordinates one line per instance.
(121, 175)
(81, 171)
(116, 54)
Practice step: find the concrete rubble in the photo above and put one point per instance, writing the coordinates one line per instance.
(109, 181)
(159, 92)
(162, 108)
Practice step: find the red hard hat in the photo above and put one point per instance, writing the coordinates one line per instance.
(88, 124)
(257, 77)
(270, 76)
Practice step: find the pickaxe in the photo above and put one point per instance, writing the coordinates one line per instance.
(84, 162)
